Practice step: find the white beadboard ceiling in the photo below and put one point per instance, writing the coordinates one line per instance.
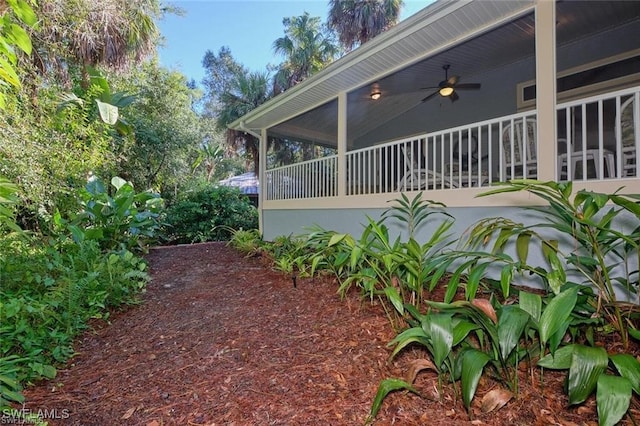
(473, 36)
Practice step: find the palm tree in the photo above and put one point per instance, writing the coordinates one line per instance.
(247, 92)
(358, 21)
(307, 49)
(106, 33)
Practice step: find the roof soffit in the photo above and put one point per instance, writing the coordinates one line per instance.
(436, 28)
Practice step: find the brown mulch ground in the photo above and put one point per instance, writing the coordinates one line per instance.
(223, 340)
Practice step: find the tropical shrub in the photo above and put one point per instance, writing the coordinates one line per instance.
(51, 285)
(209, 214)
(392, 271)
(124, 219)
(463, 338)
(586, 241)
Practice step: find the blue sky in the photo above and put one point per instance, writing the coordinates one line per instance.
(247, 27)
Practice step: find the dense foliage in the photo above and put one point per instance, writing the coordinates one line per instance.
(209, 214)
(51, 284)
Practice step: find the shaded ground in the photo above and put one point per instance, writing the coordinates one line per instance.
(223, 340)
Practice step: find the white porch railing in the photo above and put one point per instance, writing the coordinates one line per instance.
(309, 179)
(600, 135)
(598, 138)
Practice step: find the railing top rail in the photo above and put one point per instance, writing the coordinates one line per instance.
(390, 143)
(516, 116)
(602, 96)
(315, 160)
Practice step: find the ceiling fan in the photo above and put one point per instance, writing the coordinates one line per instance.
(449, 86)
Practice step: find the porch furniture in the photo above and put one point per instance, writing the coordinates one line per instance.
(520, 155)
(627, 131)
(458, 169)
(417, 177)
(590, 155)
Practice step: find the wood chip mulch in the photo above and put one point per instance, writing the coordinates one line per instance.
(221, 339)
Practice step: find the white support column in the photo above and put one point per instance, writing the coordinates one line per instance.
(545, 12)
(262, 182)
(342, 144)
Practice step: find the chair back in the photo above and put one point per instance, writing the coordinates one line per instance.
(523, 145)
(626, 121)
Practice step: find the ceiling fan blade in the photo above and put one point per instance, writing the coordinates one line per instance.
(468, 86)
(454, 97)
(429, 88)
(453, 80)
(430, 96)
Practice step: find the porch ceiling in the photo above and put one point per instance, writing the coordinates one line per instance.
(475, 37)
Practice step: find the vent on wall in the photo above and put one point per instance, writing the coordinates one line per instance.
(607, 74)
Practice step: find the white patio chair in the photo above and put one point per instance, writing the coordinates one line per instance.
(416, 177)
(626, 121)
(459, 171)
(524, 156)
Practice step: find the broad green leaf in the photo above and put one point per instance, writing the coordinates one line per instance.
(556, 313)
(560, 360)
(23, 11)
(411, 335)
(531, 303)
(335, 239)
(511, 324)
(634, 333)
(118, 182)
(473, 362)
(440, 331)
(628, 366)
(473, 280)
(386, 386)
(626, 204)
(394, 297)
(108, 113)
(20, 38)
(556, 338)
(506, 275)
(612, 397)
(587, 364)
(461, 330)
(522, 246)
(8, 73)
(556, 277)
(77, 233)
(10, 395)
(356, 255)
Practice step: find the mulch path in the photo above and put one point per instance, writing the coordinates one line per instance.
(221, 339)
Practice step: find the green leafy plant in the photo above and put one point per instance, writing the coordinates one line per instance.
(12, 34)
(392, 271)
(7, 203)
(126, 217)
(209, 214)
(462, 338)
(248, 241)
(594, 246)
(108, 103)
(589, 370)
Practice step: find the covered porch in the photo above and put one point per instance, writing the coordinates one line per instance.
(597, 141)
(552, 93)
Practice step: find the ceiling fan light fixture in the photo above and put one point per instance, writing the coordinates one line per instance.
(446, 91)
(376, 95)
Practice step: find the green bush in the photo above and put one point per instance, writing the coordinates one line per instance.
(209, 214)
(51, 285)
